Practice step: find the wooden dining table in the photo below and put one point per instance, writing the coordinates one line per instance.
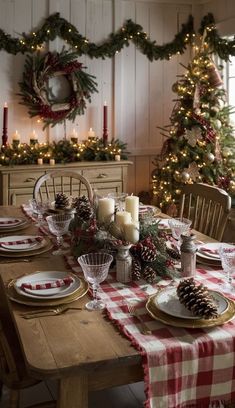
(81, 349)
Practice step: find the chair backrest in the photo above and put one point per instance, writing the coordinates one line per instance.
(70, 183)
(207, 207)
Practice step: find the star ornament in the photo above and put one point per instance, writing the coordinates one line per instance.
(193, 171)
(193, 135)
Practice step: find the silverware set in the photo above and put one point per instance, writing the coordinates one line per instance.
(135, 312)
(48, 312)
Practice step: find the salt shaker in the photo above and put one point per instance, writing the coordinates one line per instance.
(188, 251)
(123, 264)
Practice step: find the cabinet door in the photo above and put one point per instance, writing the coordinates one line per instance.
(21, 196)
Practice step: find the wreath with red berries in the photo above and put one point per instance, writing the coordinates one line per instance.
(37, 95)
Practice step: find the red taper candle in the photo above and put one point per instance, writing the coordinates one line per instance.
(105, 124)
(5, 117)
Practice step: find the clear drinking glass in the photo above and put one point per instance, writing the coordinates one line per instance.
(178, 227)
(39, 208)
(95, 267)
(119, 199)
(227, 256)
(59, 225)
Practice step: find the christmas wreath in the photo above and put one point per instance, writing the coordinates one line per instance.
(38, 96)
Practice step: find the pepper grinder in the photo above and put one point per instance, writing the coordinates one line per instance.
(188, 251)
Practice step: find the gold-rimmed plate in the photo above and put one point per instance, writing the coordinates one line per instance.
(47, 245)
(16, 297)
(165, 318)
(13, 228)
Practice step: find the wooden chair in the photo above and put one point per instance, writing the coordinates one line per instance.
(62, 181)
(207, 206)
(13, 373)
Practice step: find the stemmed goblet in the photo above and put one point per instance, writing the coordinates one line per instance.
(95, 267)
(227, 256)
(59, 225)
(178, 227)
(39, 208)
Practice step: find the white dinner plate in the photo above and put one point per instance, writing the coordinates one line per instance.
(9, 222)
(168, 302)
(214, 246)
(20, 247)
(43, 277)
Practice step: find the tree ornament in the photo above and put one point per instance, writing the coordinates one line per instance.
(197, 299)
(61, 201)
(149, 274)
(214, 76)
(232, 186)
(193, 135)
(136, 269)
(217, 124)
(175, 87)
(209, 157)
(37, 95)
(193, 171)
(185, 176)
(226, 152)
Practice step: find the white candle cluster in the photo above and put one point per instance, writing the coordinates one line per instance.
(127, 221)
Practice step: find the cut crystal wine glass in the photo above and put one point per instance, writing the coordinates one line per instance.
(59, 225)
(227, 256)
(39, 207)
(178, 227)
(95, 267)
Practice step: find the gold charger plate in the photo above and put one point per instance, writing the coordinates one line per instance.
(157, 314)
(14, 254)
(16, 297)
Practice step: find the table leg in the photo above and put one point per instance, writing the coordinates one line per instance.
(73, 392)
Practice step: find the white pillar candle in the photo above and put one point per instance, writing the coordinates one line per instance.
(106, 208)
(33, 136)
(74, 136)
(16, 136)
(132, 206)
(91, 133)
(52, 162)
(131, 232)
(122, 217)
(40, 161)
(117, 157)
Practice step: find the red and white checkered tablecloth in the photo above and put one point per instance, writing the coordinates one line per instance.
(183, 368)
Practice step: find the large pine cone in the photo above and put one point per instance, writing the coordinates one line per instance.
(83, 208)
(149, 274)
(136, 269)
(197, 299)
(61, 200)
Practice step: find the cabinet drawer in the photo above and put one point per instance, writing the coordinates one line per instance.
(24, 179)
(103, 174)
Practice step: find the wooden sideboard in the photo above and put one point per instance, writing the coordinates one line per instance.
(17, 182)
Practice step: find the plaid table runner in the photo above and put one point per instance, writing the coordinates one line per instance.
(183, 368)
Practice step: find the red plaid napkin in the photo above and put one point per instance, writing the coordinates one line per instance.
(215, 251)
(8, 222)
(47, 285)
(22, 241)
(183, 368)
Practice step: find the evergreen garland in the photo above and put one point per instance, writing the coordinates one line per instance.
(56, 26)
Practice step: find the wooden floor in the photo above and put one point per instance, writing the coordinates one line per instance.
(128, 396)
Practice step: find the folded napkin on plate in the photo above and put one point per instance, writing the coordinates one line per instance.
(48, 285)
(8, 222)
(22, 241)
(215, 251)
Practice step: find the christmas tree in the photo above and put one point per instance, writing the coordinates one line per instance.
(199, 144)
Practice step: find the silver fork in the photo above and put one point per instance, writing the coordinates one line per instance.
(48, 312)
(135, 312)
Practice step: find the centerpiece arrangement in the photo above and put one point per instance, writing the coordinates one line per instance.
(134, 238)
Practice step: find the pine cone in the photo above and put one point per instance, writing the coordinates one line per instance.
(148, 253)
(136, 269)
(197, 299)
(173, 253)
(61, 200)
(83, 208)
(149, 274)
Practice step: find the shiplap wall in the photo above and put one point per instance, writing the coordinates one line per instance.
(138, 92)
